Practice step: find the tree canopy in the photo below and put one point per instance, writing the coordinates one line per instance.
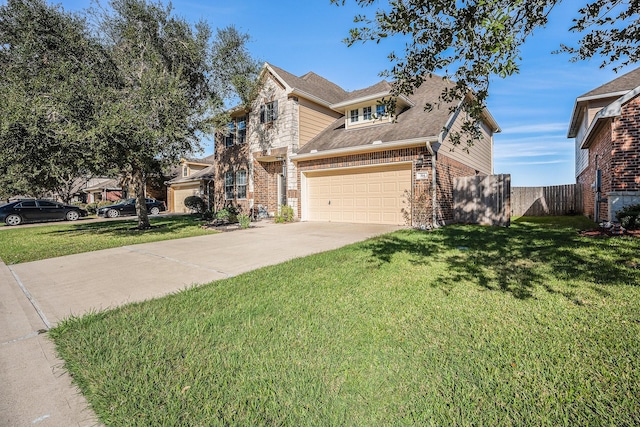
(471, 42)
(126, 95)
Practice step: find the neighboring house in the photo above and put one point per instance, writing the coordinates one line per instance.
(340, 156)
(606, 126)
(194, 178)
(101, 189)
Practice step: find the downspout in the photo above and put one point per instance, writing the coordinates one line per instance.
(434, 186)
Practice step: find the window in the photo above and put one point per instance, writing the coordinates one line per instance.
(354, 115)
(242, 130)
(235, 185)
(185, 171)
(230, 136)
(381, 110)
(228, 185)
(241, 184)
(366, 113)
(269, 112)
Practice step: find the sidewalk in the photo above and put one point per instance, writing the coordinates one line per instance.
(35, 296)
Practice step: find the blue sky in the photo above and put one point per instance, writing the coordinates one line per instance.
(532, 108)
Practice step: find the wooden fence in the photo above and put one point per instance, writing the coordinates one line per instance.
(546, 201)
(482, 200)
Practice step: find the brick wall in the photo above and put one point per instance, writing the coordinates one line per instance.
(265, 184)
(625, 155)
(446, 170)
(227, 159)
(602, 148)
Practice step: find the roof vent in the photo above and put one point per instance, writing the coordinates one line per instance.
(376, 142)
(313, 151)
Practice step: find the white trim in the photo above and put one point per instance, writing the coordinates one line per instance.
(371, 147)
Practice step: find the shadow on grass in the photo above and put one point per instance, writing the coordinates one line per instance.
(128, 226)
(518, 259)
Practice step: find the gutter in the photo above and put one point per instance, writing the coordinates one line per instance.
(371, 147)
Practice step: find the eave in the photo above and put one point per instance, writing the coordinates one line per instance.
(374, 146)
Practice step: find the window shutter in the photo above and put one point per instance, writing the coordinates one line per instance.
(275, 110)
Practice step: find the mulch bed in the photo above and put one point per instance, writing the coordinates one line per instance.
(603, 232)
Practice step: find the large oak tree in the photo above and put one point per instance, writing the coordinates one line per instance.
(129, 97)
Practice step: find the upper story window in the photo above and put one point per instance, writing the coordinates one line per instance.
(185, 171)
(381, 110)
(269, 112)
(366, 113)
(353, 114)
(236, 132)
(230, 136)
(242, 130)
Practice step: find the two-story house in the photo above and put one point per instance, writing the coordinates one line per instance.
(340, 156)
(606, 126)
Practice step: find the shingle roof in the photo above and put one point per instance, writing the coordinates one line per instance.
(312, 84)
(381, 86)
(624, 83)
(412, 123)
(206, 173)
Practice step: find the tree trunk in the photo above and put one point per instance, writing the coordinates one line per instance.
(141, 204)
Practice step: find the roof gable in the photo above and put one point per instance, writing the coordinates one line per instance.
(412, 124)
(309, 84)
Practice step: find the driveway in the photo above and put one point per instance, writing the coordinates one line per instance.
(35, 296)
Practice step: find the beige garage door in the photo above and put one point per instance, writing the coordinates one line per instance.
(180, 194)
(370, 195)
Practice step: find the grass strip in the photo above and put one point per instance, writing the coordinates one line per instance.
(24, 244)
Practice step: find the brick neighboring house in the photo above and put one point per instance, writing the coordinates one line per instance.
(606, 126)
(339, 156)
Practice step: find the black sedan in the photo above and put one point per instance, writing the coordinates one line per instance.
(128, 207)
(14, 213)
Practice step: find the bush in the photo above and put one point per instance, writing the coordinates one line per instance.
(92, 208)
(195, 204)
(228, 214)
(285, 215)
(244, 220)
(629, 217)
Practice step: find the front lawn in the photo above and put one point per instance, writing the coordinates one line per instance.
(467, 325)
(23, 244)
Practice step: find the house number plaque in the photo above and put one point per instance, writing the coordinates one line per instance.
(422, 175)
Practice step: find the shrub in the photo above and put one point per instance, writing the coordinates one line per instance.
(228, 214)
(244, 220)
(222, 215)
(629, 217)
(92, 208)
(285, 215)
(195, 204)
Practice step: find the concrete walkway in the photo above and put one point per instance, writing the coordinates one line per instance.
(34, 296)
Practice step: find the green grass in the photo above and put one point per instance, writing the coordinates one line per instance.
(467, 325)
(47, 241)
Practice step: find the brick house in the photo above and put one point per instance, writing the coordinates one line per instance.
(340, 156)
(606, 126)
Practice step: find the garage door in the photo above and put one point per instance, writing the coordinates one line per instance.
(180, 194)
(369, 195)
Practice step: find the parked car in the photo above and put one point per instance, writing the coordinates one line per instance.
(17, 212)
(128, 207)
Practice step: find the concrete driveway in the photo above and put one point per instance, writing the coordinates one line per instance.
(35, 296)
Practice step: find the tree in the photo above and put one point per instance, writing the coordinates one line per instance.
(472, 41)
(52, 71)
(129, 98)
(158, 108)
